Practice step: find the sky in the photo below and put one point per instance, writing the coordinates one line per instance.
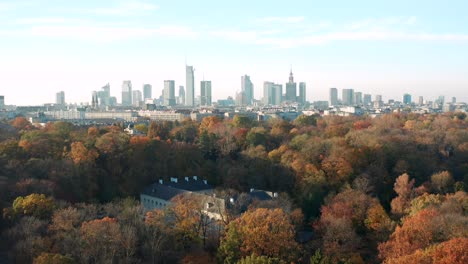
(377, 47)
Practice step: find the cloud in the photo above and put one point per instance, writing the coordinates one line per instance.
(286, 20)
(126, 8)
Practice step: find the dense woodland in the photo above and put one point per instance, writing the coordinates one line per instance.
(388, 189)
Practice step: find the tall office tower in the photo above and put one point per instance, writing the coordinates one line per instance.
(333, 96)
(348, 97)
(60, 98)
(127, 93)
(302, 93)
(147, 91)
(421, 100)
(169, 93)
(2, 102)
(441, 100)
(189, 86)
(94, 100)
(241, 99)
(248, 89)
(272, 93)
(367, 99)
(205, 93)
(137, 98)
(104, 95)
(277, 94)
(454, 100)
(358, 98)
(291, 89)
(378, 98)
(406, 99)
(181, 95)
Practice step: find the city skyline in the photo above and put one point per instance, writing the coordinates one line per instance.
(418, 48)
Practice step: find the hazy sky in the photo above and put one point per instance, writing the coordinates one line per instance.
(377, 47)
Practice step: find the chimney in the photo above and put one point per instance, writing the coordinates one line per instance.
(160, 181)
(195, 178)
(186, 179)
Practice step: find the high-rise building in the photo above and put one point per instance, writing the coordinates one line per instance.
(241, 99)
(137, 99)
(147, 91)
(378, 98)
(94, 100)
(302, 93)
(2, 102)
(421, 100)
(60, 98)
(189, 86)
(406, 99)
(169, 93)
(205, 93)
(358, 98)
(248, 89)
(367, 99)
(272, 93)
(347, 97)
(454, 100)
(104, 95)
(291, 89)
(127, 93)
(181, 95)
(333, 96)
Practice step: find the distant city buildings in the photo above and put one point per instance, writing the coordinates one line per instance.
(333, 96)
(190, 86)
(247, 88)
(60, 98)
(358, 98)
(367, 99)
(205, 93)
(147, 91)
(169, 93)
(421, 101)
(126, 93)
(272, 93)
(2, 102)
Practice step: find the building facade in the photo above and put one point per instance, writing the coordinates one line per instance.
(60, 98)
(181, 97)
(347, 97)
(302, 93)
(333, 96)
(291, 89)
(137, 99)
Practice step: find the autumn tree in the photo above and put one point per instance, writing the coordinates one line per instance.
(404, 189)
(51, 258)
(264, 232)
(37, 205)
(102, 240)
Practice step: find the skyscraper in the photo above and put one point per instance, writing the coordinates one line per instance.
(367, 99)
(454, 100)
(347, 97)
(169, 93)
(147, 91)
(333, 96)
(302, 93)
(60, 98)
(421, 100)
(94, 100)
(190, 86)
(247, 88)
(104, 95)
(272, 93)
(358, 98)
(127, 93)
(406, 99)
(291, 89)
(2, 102)
(205, 93)
(137, 99)
(181, 95)
(378, 98)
